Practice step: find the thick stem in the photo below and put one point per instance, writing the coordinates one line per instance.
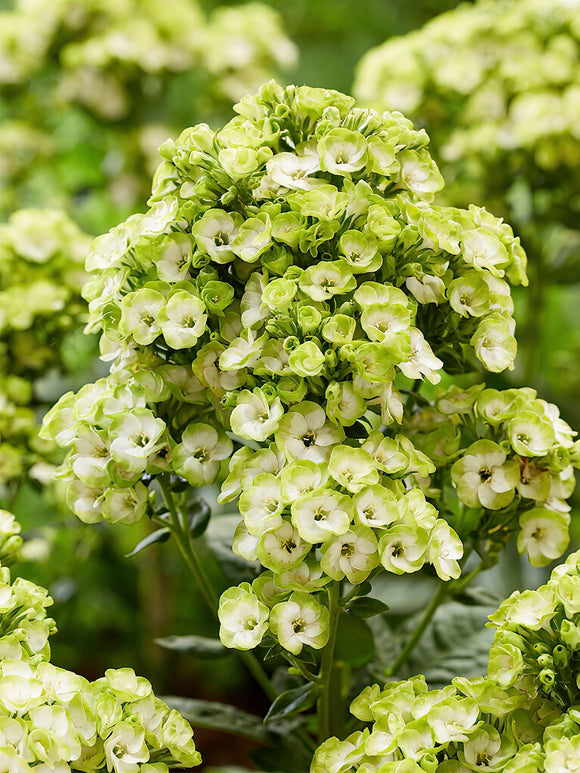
(329, 703)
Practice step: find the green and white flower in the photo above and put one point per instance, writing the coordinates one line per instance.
(243, 618)
(305, 433)
(485, 477)
(199, 455)
(261, 505)
(300, 621)
(321, 514)
(254, 416)
(182, 320)
(352, 555)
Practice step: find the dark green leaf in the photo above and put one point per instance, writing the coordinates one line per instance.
(198, 646)
(272, 652)
(199, 515)
(221, 716)
(287, 756)
(179, 484)
(161, 535)
(354, 641)
(364, 606)
(478, 596)
(292, 702)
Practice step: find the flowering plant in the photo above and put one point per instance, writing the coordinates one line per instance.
(522, 717)
(496, 86)
(53, 719)
(294, 320)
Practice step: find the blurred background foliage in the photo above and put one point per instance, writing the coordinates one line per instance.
(90, 88)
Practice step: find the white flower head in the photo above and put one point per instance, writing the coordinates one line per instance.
(243, 618)
(300, 621)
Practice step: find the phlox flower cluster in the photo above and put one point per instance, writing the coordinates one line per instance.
(496, 85)
(234, 354)
(104, 68)
(41, 275)
(54, 720)
(521, 718)
(510, 459)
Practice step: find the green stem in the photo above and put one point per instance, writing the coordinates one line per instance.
(180, 531)
(329, 704)
(405, 653)
(304, 670)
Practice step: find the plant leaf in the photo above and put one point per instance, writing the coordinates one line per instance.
(200, 647)
(455, 644)
(355, 643)
(198, 514)
(161, 535)
(221, 716)
(291, 702)
(286, 757)
(365, 606)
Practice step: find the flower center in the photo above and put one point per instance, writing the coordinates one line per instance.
(309, 439)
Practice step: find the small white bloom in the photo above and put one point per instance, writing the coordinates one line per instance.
(254, 417)
(243, 618)
(300, 620)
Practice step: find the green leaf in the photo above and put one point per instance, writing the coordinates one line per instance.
(455, 644)
(291, 702)
(199, 646)
(287, 757)
(272, 652)
(365, 606)
(355, 643)
(221, 716)
(161, 535)
(199, 514)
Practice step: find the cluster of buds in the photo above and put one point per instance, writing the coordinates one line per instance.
(53, 719)
(496, 85)
(41, 276)
(521, 718)
(537, 642)
(221, 331)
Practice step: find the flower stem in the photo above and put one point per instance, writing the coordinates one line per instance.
(180, 531)
(329, 703)
(412, 642)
